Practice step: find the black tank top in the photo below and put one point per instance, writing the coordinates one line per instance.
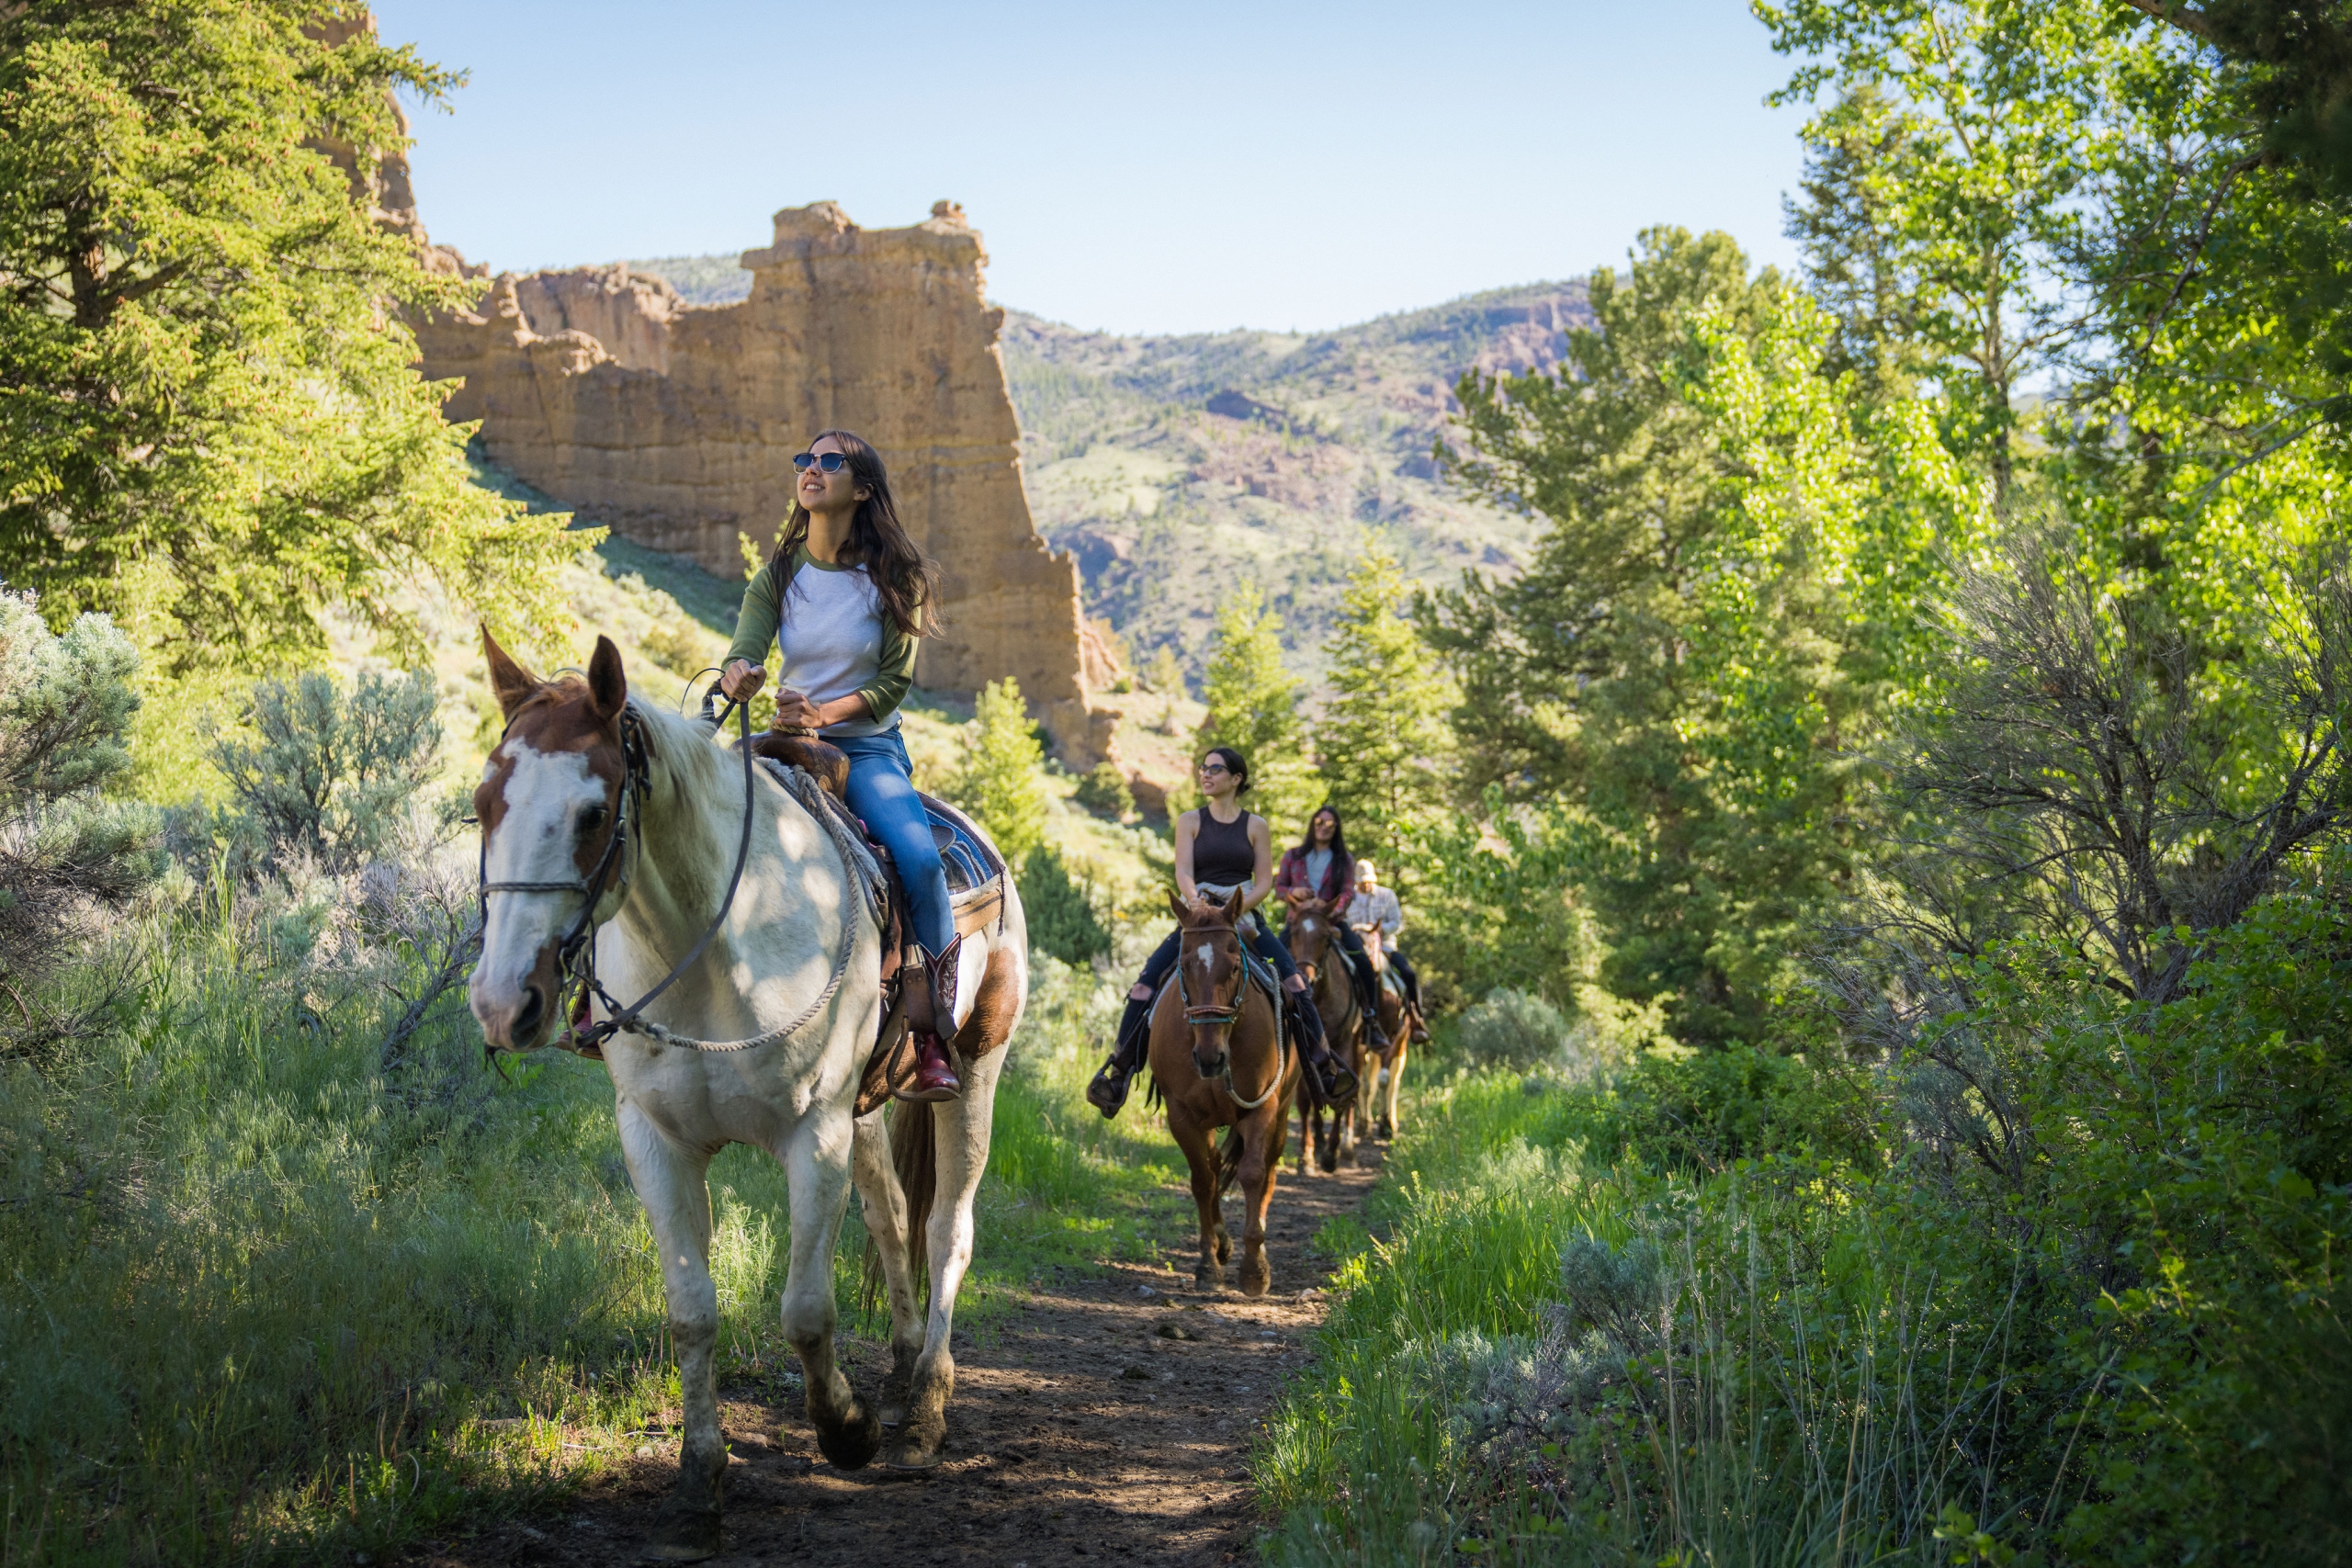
(1222, 853)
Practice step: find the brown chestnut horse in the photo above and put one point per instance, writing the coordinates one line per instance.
(1218, 1060)
(1312, 936)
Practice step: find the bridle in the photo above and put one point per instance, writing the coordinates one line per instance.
(1213, 1012)
(575, 954)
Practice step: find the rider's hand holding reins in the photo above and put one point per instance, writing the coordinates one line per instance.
(743, 678)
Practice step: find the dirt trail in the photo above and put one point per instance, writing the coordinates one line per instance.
(1078, 1432)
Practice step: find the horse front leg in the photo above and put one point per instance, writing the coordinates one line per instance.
(1388, 1091)
(1201, 1158)
(671, 1183)
(1260, 1162)
(816, 1165)
(885, 1207)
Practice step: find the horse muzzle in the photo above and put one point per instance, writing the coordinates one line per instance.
(1209, 1049)
(517, 1012)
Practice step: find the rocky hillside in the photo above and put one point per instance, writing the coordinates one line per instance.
(1176, 466)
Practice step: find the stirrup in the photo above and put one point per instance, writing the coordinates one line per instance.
(935, 1077)
(1337, 1080)
(1108, 1089)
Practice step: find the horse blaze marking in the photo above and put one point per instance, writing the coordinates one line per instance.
(1201, 953)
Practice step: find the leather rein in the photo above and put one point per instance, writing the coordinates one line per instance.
(576, 954)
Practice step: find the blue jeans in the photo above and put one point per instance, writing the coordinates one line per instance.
(882, 791)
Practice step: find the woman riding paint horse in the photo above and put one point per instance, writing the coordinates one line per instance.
(1376, 912)
(1219, 848)
(842, 601)
(1321, 867)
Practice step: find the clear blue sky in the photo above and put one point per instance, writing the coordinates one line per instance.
(1132, 167)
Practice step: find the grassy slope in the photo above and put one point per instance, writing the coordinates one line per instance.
(1176, 466)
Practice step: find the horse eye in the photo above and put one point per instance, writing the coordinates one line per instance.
(592, 819)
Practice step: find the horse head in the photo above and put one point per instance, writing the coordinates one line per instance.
(1209, 976)
(1308, 935)
(552, 805)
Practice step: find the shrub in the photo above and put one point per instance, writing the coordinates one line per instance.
(1105, 790)
(1511, 1028)
(333, 776)
(1061, 920)
(64, 702)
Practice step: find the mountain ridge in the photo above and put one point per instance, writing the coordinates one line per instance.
(1175, 465)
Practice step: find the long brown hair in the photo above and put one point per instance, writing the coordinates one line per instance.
(905, 579)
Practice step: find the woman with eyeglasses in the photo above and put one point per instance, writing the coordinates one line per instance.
(841, 602)
(1219, 847)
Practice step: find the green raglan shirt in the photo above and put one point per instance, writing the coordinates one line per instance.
(761, 618)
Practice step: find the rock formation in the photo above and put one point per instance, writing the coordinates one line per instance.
(675, 425)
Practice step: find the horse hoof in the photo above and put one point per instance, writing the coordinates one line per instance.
(852, 1443)
(1387, 1131)
(1257, 1277)
(685, 1538)
(916, 1450)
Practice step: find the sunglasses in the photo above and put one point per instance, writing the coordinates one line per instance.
(1215, 767)
(827, 462)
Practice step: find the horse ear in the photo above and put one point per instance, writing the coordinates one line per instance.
(1232, 905)
(1176, 902)
(608, 682)
(509, 681)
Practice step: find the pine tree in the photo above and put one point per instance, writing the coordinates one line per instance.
(1385, 745)
(1002, 779)
(1253, 707)
(213, 427)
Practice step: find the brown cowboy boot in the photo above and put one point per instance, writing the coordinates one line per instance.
(931, 1003)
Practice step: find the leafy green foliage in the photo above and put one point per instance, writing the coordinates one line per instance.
(1105, 790)
(1730, 584)
(1000, 779)
(1384, 743)
(65, 702)
(213, 428)
(1062, 920)
(1253, 707)
(332, 775)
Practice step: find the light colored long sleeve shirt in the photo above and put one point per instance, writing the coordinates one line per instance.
(1378, 907)
(836, 641)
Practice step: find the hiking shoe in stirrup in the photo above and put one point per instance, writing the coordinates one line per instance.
(1108, 1091)
(1338, 1080)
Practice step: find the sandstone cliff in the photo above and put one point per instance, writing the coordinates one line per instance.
(676, 425)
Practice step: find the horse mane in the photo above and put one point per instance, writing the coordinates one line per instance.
(689, 752)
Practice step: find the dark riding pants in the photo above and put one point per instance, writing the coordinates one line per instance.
(1404, 968)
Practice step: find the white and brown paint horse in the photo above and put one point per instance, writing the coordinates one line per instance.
(550, 800)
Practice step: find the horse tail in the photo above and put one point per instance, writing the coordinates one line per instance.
(914, 1151)
(1229, 1157)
